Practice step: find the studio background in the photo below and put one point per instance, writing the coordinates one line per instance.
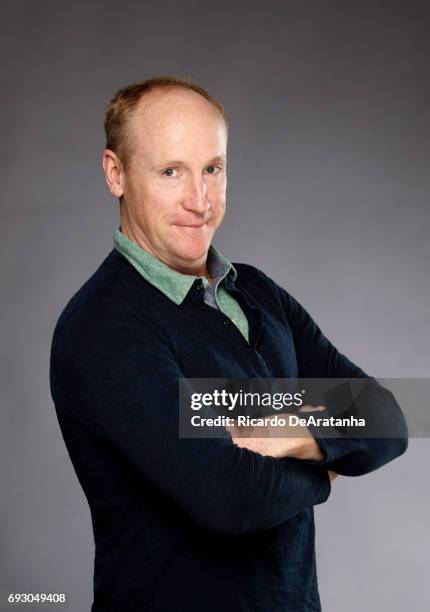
(328, 105)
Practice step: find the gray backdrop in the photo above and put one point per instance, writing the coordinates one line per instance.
(328, 104)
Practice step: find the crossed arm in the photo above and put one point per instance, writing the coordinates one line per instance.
(317, 357)
(302, 445)
(120, 381)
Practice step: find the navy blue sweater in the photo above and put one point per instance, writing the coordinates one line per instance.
(193, 525)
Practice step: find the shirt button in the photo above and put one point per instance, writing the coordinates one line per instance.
(226, 322)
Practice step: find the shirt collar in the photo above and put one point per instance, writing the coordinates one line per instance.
(173, 284)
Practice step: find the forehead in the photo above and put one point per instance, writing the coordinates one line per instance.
(176, 119)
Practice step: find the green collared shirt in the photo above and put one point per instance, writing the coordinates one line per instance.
(176, 285)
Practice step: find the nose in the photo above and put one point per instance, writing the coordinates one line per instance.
(195, 198)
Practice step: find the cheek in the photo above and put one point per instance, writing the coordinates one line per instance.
(218, 210)
(162, 202)
(216, 195)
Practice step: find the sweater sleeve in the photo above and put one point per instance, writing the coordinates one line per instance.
(317, 357)
(114, 373)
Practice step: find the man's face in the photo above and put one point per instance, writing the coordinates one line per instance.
(175, 183)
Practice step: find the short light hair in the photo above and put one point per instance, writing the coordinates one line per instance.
(125, 100)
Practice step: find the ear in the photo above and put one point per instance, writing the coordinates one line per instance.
(114, 173)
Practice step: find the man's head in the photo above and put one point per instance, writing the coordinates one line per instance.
(165, 159)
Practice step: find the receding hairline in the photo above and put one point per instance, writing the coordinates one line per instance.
(123, 105)
(160, 92)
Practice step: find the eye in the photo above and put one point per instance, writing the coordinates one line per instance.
(169, 172)
(213, 169)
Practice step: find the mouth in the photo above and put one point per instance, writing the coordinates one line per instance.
(194, 225)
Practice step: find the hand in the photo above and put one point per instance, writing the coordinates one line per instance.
(332, 475)
(279, 442)
(275, 446)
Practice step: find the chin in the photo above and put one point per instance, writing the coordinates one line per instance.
(191, 244)
(192, 250)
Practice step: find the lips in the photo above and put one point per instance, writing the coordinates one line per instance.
(195, 225)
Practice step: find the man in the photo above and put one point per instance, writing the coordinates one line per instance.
(189, 524)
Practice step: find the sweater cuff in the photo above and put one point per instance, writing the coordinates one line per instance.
(334, 446)
(325, 486)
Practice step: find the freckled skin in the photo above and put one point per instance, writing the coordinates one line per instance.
(174, 188)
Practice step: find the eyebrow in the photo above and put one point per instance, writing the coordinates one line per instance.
(219, 159)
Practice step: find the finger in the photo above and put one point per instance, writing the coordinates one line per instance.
(309, 408)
